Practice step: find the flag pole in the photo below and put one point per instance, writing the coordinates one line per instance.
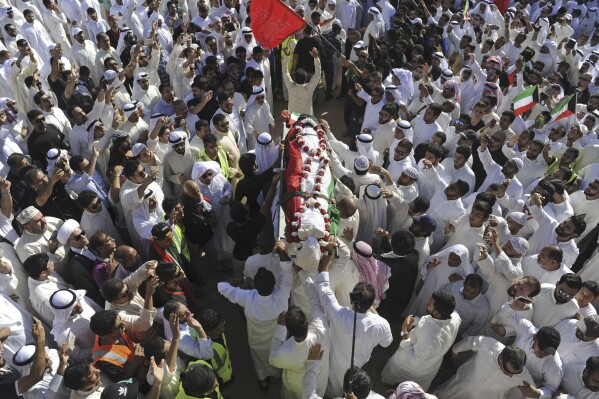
(325, 39)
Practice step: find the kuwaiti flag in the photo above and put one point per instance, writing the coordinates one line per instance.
(565, 108)
(526, 100)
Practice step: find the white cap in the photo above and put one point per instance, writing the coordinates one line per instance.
(65, 231)
(76, 31)
(137, 148)
(110, 74)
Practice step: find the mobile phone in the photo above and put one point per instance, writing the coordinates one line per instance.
(71, 340)
(571, 43)
(54, 236)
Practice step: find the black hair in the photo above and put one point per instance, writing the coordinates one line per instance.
(296, 322)
(246, 163)
(264, 281)
(464, 150)
(75, 375)
(555, 253)
(209, 319)
(169, 308)
(579, 224)
(484, 196)
(85, 198)
(35, 264)
(366, 298)
(209, 139)
(75, 162)
(130, 168)
(462, 187)
(444, 303)
(484, 207)
(111, 289)
(474, 280)
(102, 322)
(514, 356)
(155, 348)
(358, 382)
(435, 150)
(403, 243)
(572, 280)
(592, 286)
(169, 203)
(166, 271)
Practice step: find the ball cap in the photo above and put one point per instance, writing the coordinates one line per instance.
(121, 390)
(160, 231)
(426, 222)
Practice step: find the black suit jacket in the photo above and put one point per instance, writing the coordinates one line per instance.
(79, 274)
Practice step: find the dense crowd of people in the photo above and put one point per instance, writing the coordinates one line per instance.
(140, 154)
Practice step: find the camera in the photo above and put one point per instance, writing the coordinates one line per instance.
(355, 296)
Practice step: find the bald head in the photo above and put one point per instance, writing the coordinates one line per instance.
(347, 207)
(192, 190)
(128, 257)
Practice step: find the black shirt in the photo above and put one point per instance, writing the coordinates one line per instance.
(39, 143)
(60, 205)
(302, 51)
(58, 86)
(245, 235)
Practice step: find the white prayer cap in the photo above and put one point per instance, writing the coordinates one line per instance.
(24, 355)
(141, 75)
(51, 46)
(372, 191)
(365, 138)
(518, 217)
(65, 231)
(215, 19)
(76, 31)
(411, 172)
(520, 245)
(329, 2)
(264, 139)
(63, 299)
(568, 17)
(519, 163)
(447, 73)
(176, 137)
(129, 108)
(404, 124)
(416, 21)
(359, 44)
(300, 8)
(137, 148)
(27, 214)
(361, 163)
(110, 74)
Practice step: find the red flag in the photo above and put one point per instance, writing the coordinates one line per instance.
(273, 21)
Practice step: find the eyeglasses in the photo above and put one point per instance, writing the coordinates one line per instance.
(141, 173)
(40, 120)
(79, 236)
(120, 328)
(564, 294)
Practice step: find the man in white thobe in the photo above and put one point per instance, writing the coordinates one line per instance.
(547, 266)
(580, 339)
(371, 329)
(423, 346)
(490, 373)
(556, 302)
(262, 307)
(35, 33)
(83, 53)
(290, 355)
(37, 231)
(581, 380)
(470, 304)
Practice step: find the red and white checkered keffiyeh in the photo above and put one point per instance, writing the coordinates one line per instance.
(371, 270)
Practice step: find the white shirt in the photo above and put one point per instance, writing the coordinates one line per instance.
(423, 131)
(40, 293)
(547, 312)
(532, 268)
(571, 349)
(371, 330)
(546, 235)
(371, 115)
(481, 376)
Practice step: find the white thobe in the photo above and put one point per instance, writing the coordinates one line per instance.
(383, 137)
(269, 261)
(37, 36)
(465, 234)
(261, 313)
(371, 114)
(396, 168)
(532, 169)
(465, 173)
(30, 244)
(581, 205)
(481, 376)
(371, 330)
(419, 357)
(473, 312)
(40, 293)
(427, 180)
(300, 95)
(13, 316)
(547, 371)
(496, 176)
(530, 267)
(290, 355)
(56, 21)
(423, 131)
(546, 235)
(547, 312)
(397, 209)
(499, 272)
(571, 349)
(574, 385)
(78, 325)
(257, 118)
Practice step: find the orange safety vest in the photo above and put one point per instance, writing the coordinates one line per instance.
(118, 355)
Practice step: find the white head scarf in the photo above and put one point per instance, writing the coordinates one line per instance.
(52, 156)
(444, 269)
(256, 91)
(266, 151)
(406, 87)
(62, 303)
(364, 144)
(143, 218)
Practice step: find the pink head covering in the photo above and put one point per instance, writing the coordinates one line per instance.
(371, 271)
(452, 84)
(497, 59)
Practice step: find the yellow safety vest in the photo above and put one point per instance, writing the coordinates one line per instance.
(223, 160)
(287, 47)
(183, 395)
(179, 238)
(221, 361)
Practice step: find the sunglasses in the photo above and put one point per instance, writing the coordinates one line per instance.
(563, 294)
(79, 236)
